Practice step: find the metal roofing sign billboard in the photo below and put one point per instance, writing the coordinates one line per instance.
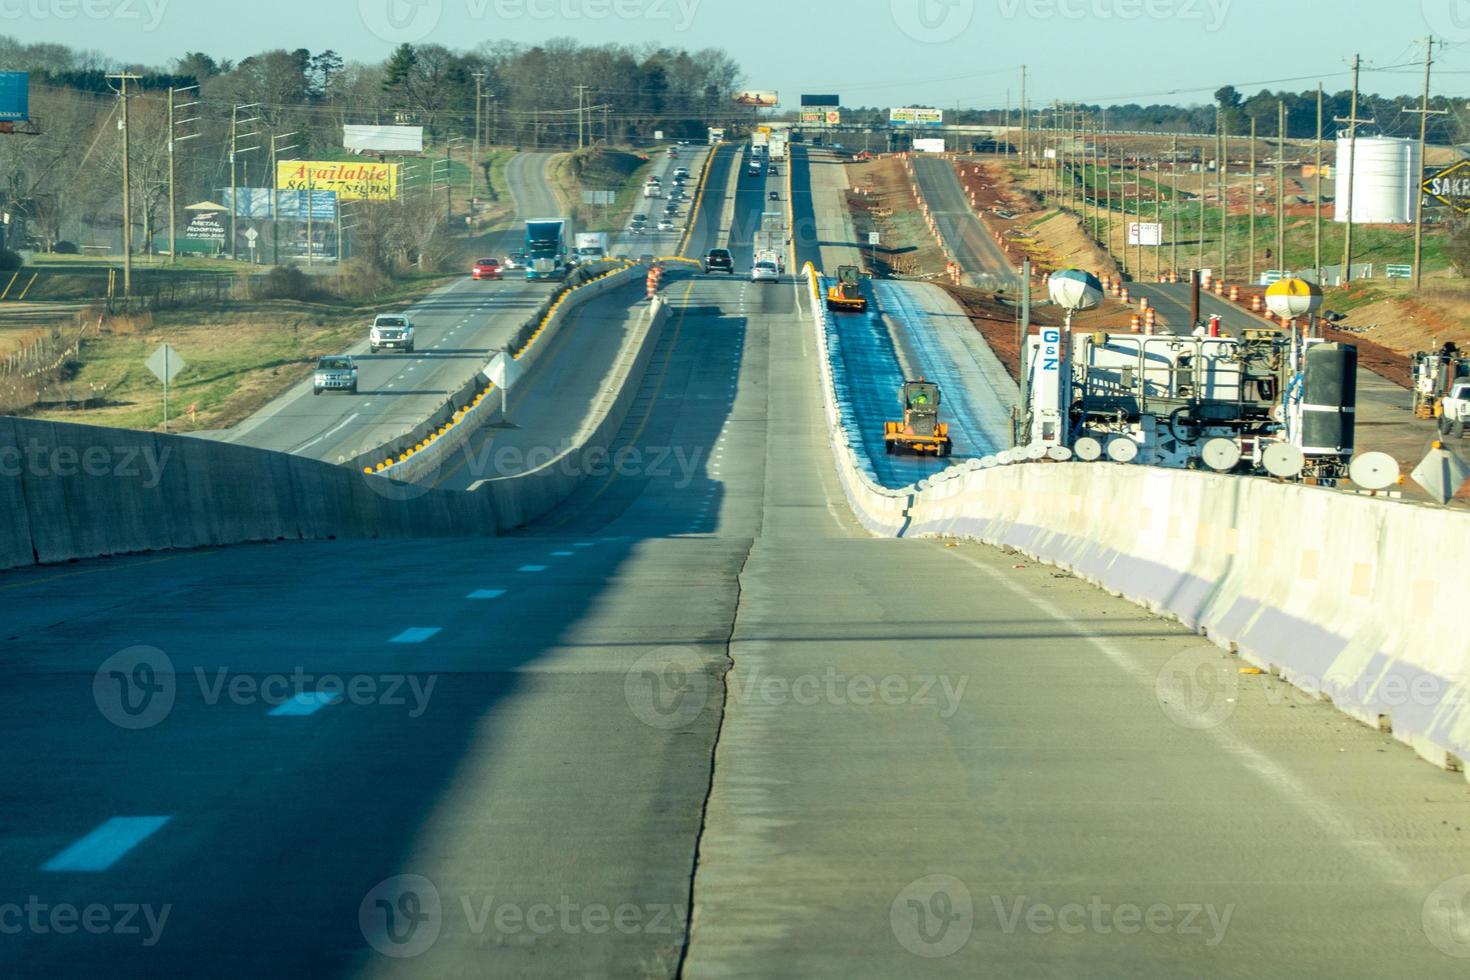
(351, 181)
(915, 116)
(15, 96)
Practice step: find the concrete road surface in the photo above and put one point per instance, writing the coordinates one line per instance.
(695, 724)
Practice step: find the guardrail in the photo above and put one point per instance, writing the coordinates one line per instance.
(1353, 599)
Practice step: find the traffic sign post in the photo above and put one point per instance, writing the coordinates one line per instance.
(1400, 271)
(873, 239)
(165, 363)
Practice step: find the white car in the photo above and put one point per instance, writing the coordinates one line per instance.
(666, 224)
(391, 330)
(765, 271)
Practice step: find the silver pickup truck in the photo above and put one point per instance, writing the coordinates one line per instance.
(336, 372)
(391, 330)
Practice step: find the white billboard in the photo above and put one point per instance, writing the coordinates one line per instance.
(1145, 233)
(929, 145)
(383, 139)
(915, 116)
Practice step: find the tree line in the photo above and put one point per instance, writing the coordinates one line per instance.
(63, 180)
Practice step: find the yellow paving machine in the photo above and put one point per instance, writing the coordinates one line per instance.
(920, 432)
(845, 295)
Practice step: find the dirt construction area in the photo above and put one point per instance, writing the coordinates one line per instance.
(1050, 238)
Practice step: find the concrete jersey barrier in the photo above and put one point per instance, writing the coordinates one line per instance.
(80, 491)
(1350, 598)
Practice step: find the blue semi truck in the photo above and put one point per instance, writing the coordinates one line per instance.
(546, 249)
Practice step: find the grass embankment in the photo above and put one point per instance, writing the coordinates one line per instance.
(238, 359)
(600, 169)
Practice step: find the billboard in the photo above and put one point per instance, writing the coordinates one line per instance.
(915, 116)
(383, 139)
(1145, 233)
(271, 202)
(15, 96)
(1451, 186)
(757, 97)
(350, 181)
(813, 117)
(821, 100)
(929, 145)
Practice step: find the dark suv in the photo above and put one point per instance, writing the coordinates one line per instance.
(719, 260)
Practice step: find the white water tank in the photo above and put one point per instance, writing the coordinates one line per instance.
(1385, 176)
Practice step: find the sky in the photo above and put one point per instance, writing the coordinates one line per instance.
(870, 52)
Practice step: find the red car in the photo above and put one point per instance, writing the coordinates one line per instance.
(486, 269)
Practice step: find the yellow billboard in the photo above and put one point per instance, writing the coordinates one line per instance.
(352, 180)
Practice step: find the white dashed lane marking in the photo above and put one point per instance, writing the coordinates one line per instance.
(305, 704)
(105, 845)
(415, 634)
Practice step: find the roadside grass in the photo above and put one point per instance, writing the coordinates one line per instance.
(599, 168)
(238, 359)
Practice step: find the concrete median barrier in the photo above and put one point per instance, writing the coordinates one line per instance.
(1350, 598)
(478, 403)
(15, 525)
(78, 491)
(524, 498)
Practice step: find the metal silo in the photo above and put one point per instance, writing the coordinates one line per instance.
(1386, 176)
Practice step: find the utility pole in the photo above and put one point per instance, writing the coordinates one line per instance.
(173, 242)
(173, 141)
(1107, 194)
(1221, 186)
(1096, 200)
(235, 150)
(127, 191)
(1424, 113)
(234, 189)
(1281, 187)
(276, 150)
(1352, 121)
(1174, 234)
(581, 100)
(1025, 158)
(479, 77)
(1201, 264)
(1316, 234)
(1250, 275)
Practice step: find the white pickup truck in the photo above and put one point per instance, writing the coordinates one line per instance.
(1454, 409)
(391, 330)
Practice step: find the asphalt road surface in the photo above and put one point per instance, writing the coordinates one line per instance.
(458, 328)
(697, 724)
